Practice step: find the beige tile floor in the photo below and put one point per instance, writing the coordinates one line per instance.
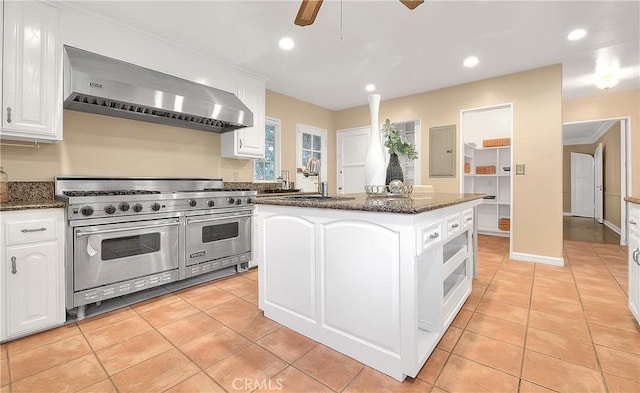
(526, 328)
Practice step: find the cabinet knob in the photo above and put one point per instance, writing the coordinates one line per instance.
(14, 268)
(8, 114)
(434, 235)
(635, 256)
(240, 143)
(455, 225)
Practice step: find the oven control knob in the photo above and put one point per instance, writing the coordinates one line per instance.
(231, 201)
(192, 202)
(250, 201)
(109, 209)
(124, 206)
(156, 206)
(86, 211)
(211, 203)
(137, 207)
(238, 201)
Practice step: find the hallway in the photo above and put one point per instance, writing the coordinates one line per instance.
(588, 230)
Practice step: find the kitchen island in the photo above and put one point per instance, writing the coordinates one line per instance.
(378, 279)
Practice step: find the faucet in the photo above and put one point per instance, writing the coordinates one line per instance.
(313, 169)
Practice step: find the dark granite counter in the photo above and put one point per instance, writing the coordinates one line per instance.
(418, 203)
(632, 199)
(31, 195)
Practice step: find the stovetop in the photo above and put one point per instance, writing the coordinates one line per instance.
(113, 197)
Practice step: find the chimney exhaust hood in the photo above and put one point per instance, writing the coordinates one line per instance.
(106, 86)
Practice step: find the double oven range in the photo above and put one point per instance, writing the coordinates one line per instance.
(129, 234)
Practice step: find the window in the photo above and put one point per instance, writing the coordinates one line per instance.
(268, 168)
(311, 146)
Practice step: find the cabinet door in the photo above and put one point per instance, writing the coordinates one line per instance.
(32, 292)
(442, 151)
(251, 139)
(31, 106)
(634, 275)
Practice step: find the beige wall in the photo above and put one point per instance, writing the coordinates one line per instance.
(611, 172)
(291, 112)
(607, 106)
(537, 133)
(109, 146)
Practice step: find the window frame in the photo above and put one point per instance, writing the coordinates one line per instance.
(277, 159)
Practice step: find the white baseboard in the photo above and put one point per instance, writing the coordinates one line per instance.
(520, 256)
(612, 227)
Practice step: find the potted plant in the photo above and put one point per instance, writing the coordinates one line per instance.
(397, 146)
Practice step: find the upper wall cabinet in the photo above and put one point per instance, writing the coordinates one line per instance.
(31, 74)
(248, 143)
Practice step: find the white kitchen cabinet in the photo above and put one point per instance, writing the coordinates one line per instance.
(31, 271)
(31, 73)
(633, 246)
(379, 287)
(248, 143)
(497, 185)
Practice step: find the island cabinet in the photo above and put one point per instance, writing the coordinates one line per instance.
(380, 287)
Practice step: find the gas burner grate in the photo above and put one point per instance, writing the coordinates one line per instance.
(108, 193)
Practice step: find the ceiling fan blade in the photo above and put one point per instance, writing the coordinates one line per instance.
(307, 12)
(411, 4)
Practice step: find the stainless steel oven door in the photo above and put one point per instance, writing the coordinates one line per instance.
(214, 236)
(105, 254)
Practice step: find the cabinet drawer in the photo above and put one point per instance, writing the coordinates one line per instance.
(634, 218)
(428, 236)
(28, 231)
(454, 225)
(467, 218)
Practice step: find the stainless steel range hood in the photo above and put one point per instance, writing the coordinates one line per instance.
(99, 84)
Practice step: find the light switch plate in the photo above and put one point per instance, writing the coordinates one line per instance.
(519, 169)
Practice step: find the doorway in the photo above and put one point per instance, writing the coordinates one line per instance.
(352, 150)
(310, 142)
(609, 218)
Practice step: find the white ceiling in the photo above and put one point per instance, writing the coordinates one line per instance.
(585, 132)
(353, 43)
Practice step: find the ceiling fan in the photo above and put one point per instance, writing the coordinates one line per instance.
(309, 10)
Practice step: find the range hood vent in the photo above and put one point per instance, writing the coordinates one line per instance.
(105, 86)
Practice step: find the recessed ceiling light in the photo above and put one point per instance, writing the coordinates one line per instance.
(286, 43)
(370, 87)
(470, 62)
(577, 34)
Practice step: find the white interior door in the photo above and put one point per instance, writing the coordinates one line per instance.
(582, 185)
(310, 142)
(599, 185)
(351, 153)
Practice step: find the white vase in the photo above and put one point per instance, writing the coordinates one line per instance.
(375, 167)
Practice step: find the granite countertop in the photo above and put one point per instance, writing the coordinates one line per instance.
(414, 204)
(31, 204)
(30, 195)
(632, 199)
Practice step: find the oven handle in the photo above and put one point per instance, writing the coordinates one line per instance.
(228, 217)
(88, 233)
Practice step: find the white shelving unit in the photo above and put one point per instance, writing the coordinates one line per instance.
(497, 185)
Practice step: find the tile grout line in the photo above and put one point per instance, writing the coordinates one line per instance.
(593, 345)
